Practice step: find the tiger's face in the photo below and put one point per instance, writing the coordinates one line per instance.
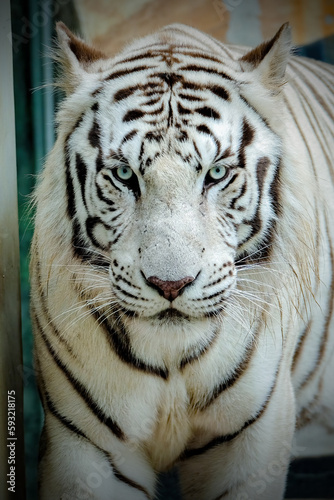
(174, 178)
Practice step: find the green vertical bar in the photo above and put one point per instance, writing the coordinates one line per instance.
(12, 482)
(47, 74)
(37, 81)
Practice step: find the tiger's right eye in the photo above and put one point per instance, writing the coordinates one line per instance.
(217, 173)
(124, 173)
(128, 178)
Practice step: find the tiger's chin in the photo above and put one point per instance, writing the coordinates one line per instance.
(174, 317)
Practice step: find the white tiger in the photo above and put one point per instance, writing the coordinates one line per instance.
(182, 269)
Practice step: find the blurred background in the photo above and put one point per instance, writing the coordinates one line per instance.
(109, 24)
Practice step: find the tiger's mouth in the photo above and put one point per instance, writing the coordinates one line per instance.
(171, 315)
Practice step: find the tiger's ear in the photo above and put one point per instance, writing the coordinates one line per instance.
(75, 56)
(268, 61)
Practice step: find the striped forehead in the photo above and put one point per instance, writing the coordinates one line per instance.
(197, 142)
(170, 101)
(160, 104)
(155, 73)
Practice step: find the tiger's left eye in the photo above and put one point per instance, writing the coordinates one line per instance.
(215, 175)
(124, 173)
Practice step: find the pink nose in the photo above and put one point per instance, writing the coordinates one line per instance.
(170, 289)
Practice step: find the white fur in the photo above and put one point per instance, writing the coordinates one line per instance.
(181, 232)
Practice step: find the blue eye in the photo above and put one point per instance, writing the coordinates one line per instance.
(126, 176)
(217, 173)
(124, 173)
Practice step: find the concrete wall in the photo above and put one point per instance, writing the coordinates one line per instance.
(111, 23)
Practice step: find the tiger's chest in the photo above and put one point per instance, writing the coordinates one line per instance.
(211, 398)
(172, 427)
(182, 420)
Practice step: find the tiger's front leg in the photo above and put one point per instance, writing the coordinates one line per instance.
(73, 468)
(250, 464)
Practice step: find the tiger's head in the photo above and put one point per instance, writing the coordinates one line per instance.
(171, 166)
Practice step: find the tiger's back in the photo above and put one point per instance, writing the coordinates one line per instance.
(182, 281)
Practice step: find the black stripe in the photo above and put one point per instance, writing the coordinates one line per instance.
(324, 73)
(142, 151)
(256, 222)
(77, 124)
(194, 67)
(192, 98)
(45, 312)
(133, 114)
(208, 112)
(99, 162)
(65, 422)
(186, 85)
(299, 347)
(69, 184)
(260, 117)
(118, 475)
(151, 102)
(261, 169)
(224, 154)
(231, 380)
(91, 223)
(239, 195)
(170, 78)
(119, 74)
(156, 111)
(124, 93)
(182, 110)
(119, 277)
(321, 349)
(97, 91)
(144, 55)
(214, 313)
(192, 452)
(79, 243)
(130, 482)
(321, 138)
(80, 388)
(120, 343)
(104, 198)
(232, 179)
(246, 139)
(129, 91)
(274, 191)
(314, 90)
(220, 92)
(197, 152)
(203, 350)
(129, 136)
(199, 55)
(94, 135)
(205, 130)
(216, 282)
(300, 130)
(154, 136)
(81, 169)
(212, 296)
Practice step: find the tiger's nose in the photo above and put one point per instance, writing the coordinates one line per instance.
(170, 289)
